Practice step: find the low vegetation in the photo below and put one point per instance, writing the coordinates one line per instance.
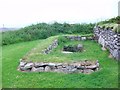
(115, 20)
(43, 31)
(113, 23)
(113, 26)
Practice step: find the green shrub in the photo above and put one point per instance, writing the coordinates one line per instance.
(43, 31)
(112, 20)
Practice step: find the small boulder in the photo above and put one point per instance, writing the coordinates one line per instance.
(74, 70)
(59, 67)
(22, 64)
(40, 69)
(29, 65)
(47, 68)
(51, 64)
(88, 71)
(70, 67)
(22, 68)
(91, 67)
(40, 64)
(80, 47)
(65, 70)
(34, 69)
(83, 38)
(103, 48)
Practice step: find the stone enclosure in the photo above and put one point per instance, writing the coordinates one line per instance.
(109, 40)
(86, 66)
(77, 48)
(74, 67)
(106, 37)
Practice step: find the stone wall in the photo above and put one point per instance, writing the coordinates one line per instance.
(109, 40)
(55, 42)
(50, 47)
(78, 38)
(74, 67)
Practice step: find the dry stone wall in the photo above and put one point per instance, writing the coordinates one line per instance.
(78, 38)
(74, 67)
(108, 39)
(55, 42)
(50, 47)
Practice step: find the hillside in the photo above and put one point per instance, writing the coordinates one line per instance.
(43, 30)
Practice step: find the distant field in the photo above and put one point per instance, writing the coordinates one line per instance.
(8, 29)
(107, 77)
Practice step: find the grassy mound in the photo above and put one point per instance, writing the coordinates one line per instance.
(115, 27)
(56, 55)
(113, 22)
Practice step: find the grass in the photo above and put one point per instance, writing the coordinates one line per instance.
(56, 55)
(107, 77)
(116, 27)
(92, 51)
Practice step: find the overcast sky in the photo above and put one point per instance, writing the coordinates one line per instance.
(20, 13)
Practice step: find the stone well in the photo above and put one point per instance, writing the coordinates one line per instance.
(73, 48)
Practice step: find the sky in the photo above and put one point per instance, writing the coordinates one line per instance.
(20, 13)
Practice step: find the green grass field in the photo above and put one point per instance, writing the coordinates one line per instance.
(107, 77)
